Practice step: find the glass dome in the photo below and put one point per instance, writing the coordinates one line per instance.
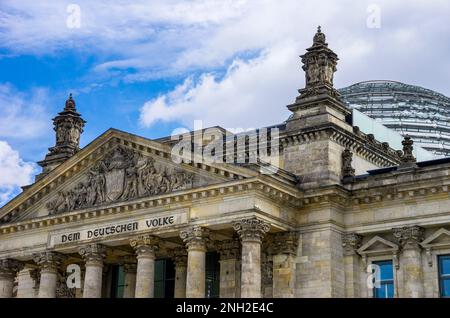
(419, 112)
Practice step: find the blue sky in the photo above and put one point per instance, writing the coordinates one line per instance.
(149, 67)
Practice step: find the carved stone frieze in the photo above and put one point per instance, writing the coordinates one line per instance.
(145, 245)
(229, 249)
(49, 260)
(8, 267)
(122, 175)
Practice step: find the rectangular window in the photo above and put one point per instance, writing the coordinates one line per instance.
(164, 278)
(386, 280)
(444, 275)
(212, 275)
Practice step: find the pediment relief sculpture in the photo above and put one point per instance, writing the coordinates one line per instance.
(121, 176)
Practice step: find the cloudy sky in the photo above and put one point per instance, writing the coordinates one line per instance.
(149, 67)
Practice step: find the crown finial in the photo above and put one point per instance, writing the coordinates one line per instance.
(319, 37)
(70, 103)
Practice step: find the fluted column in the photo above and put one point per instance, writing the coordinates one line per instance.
(350, 243)
(251, 231)
(8, 271)
(130, 269)
(284, 249)
(93, 255)
(195, 239)
(49, 263)
(230, 268)
(145, 247)
(179, 257)
(409, 239)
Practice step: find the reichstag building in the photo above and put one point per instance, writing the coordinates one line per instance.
(338, 214)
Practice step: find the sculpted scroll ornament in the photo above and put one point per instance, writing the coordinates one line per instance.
(123, 175)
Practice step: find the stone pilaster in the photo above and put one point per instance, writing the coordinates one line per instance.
(284, 249)
(195, 239)
(351, 242)
(409, 239)
(179, 257)
(130, 269)
(93, 255)
(145, 247)
(230, 268)
(49, 263)
(251, 232)
(8, 271)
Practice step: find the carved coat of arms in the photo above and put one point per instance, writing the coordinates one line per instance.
(122, 175)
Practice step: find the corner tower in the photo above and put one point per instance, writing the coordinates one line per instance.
(68, 126)
(319, 133)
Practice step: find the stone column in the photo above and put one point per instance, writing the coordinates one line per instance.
(230, 268)
(411, 260)
(284, 250)
(251, 232)
(195, 239)
(179, 256)
(49, 263)
(130, 269)
(351, 242)
(93, 255)
(26, 283)
(8, 271)
(145, 247)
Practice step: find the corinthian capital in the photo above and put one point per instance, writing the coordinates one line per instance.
(252, 229)
(409, 236)
(351, 242)
(195, 238)
(145, 245)
(93, 253)
(9, 267)
(49, 261)
(179, 256)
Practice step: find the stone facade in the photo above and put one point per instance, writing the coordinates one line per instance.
(338, 201)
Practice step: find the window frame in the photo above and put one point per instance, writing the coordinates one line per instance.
(393, 280)
(440, 275)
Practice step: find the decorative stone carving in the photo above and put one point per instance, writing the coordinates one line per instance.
(319, 64)
(9, 267)
(351, 242)
(62, 291)
(122, 175)
(409, 236)
(252, 229)
(93, 253)
(195, 237)
(179, 256)
(49, 260)
(229, 249)
(68, 126)
(145, 244)
(407, 157)
(347, 169)
(284, 243)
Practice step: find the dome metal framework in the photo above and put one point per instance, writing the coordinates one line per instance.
(411, 110)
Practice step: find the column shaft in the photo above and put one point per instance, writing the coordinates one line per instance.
(6, 285)
(26, 283)
(130, 280)
(48, 263)
(251, 232)
(195, 239)
(145, 247)
(93, 255)
(180, 281)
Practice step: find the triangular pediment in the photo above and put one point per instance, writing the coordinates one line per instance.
(376, 245)
(439, 238)
(115, 167)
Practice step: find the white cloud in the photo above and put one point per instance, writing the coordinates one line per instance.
(251, 93)
(145, 40)
(14, 172)
(23, 116)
